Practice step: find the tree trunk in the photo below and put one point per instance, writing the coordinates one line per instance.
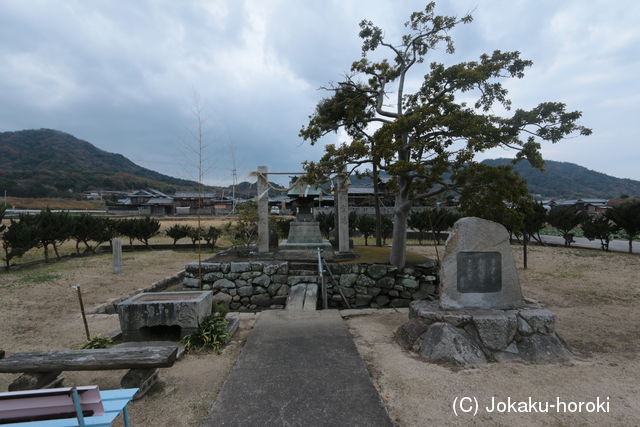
(631, 245)
(46, 253)
(525, 240)
(376, 204)
(400, 216)
(55, 249)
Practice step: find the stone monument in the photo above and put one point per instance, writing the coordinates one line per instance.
(481, 316)
(478, 270)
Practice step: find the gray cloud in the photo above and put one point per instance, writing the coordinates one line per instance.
(122, 74)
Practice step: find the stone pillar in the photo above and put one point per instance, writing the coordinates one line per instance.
(342, 200)
(263, 210)
(116, 247)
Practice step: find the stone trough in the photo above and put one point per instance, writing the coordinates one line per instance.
(163, 315)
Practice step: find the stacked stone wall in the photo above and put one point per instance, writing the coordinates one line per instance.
(258, 285)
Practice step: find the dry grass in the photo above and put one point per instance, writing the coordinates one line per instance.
(53, 203)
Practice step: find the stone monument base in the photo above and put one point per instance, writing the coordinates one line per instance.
(470, 337)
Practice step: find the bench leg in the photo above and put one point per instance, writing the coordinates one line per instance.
(125, 416)
(34, 381)
(140, 378)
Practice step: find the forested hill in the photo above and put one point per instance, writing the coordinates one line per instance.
(46, 163)
(570, 181)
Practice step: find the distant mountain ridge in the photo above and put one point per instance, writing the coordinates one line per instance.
(46, 162)
(570, 181)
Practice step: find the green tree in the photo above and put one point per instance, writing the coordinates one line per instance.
(280, 226)
(418, 220)
(534, 220)
(53, 229)
(387, 228)
(440, 220)
(434, 130)
(494, 193)
(565, 219)
(366, 226)
(353, 222)
(17, 239)
(326, 222)
(87, 228)
(146, 228)
(599, 227)
(126, 228)
(177, 232)
(626, 216)
(211, 236)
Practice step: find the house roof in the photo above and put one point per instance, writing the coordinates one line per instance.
(159, 201)
(193, 195)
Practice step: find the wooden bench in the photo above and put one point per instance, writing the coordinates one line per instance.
(40, 369)
(114, 403)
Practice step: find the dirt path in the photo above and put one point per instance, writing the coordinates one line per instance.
(595, 296)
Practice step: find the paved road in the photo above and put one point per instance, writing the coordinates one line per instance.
(582, 242)
(299, 369)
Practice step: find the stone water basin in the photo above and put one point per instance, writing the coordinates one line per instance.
(163, 315)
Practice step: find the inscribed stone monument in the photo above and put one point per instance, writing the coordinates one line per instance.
(478, 269)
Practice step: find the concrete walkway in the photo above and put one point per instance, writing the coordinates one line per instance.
(299, 369)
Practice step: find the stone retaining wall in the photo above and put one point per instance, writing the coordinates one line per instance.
(470, 337)
(257, 285)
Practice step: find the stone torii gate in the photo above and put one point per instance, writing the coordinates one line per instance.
(341, 200)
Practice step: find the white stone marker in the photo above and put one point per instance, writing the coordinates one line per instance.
(116, 245)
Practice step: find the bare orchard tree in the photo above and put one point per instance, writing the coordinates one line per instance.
(422, 135)
(197, 147)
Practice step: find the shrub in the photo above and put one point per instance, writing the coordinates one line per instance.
(626, 216)
(599, 227)
(566, 218)
(18, 238)
(211, 235)
(98, 342)
(177, 232)
(366, 226)
(326, 222)
(211, 335)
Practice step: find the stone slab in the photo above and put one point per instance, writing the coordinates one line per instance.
(299, 368)
(311, 298)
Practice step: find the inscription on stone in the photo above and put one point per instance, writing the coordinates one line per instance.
(479, 272)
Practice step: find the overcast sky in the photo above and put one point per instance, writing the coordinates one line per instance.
(124, 75)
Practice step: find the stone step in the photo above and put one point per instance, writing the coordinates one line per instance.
(303, 272)
(294, 280)
(309, 266)
(295, 300)
(311, 298)
(303, 297)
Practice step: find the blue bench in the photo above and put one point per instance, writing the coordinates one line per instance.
(114, 402)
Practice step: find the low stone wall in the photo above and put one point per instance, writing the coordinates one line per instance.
(257, 285)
